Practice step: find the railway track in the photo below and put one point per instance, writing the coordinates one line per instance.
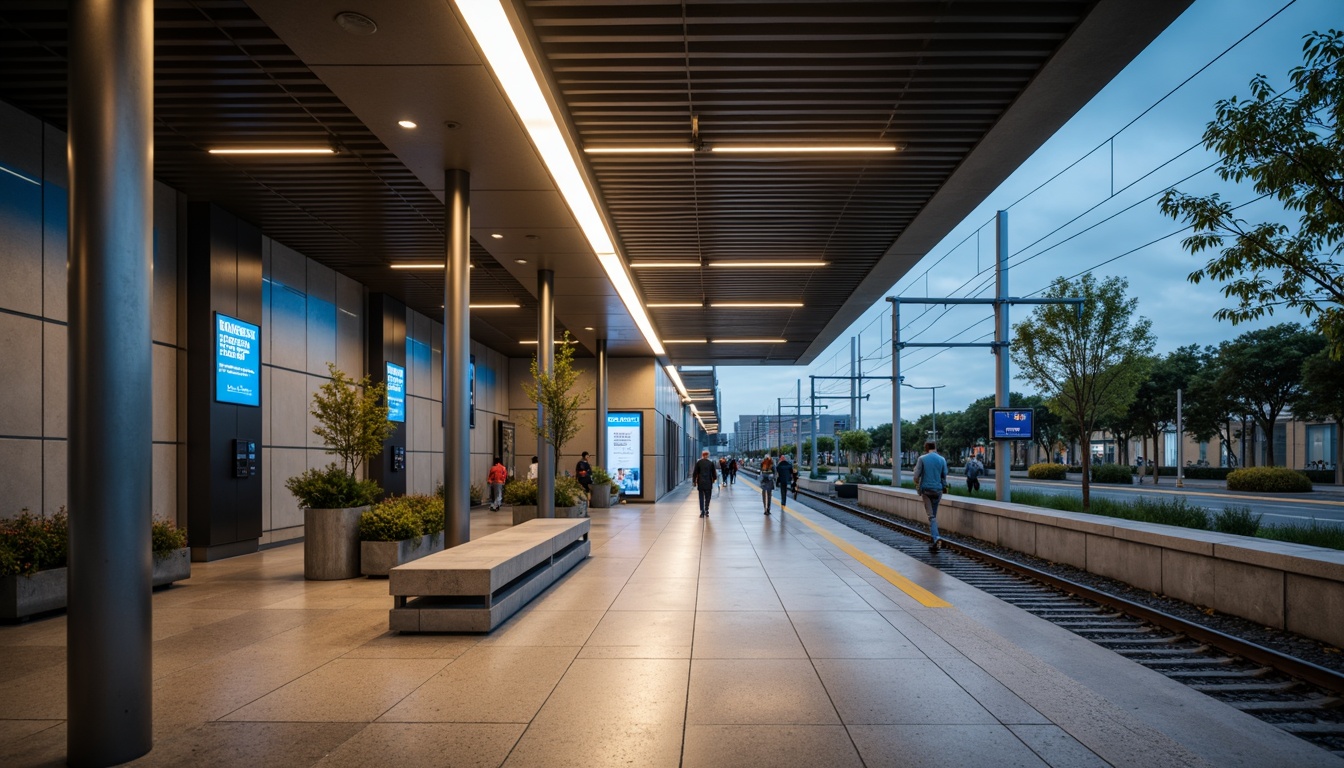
(1304, 699)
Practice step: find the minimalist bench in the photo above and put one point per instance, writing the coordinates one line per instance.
(475, 586)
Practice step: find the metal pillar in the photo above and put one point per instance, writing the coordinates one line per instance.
(1002, 480)
(1180, 442)
(858, 399)
(853, 392)
(457, 359)
(601, 405)
(896, 453)
(812, 423)
(798, 426)
(109, 685)
(546, 364)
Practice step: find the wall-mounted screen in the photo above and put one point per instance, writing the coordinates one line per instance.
(237, 361)
(625, 450)
(1011, 423)
(396, 393)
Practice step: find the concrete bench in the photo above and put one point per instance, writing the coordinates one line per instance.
(474, 587)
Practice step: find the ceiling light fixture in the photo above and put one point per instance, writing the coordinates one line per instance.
(685, 341)
(750, 341)
(677, 305)
(272, 151)
(674, 150)
(356, 23)
(589, 328)
(495, 306)
(730, 264)
(804, 148)
(664, 265)
(490, 25)
(557, 341)
(756, 304)
(407, 123)
(677, 382)
(410, 265)
(497, 235)
(520, 261)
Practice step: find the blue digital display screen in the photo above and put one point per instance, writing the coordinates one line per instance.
(1012, 423)
(625, 451)
(396, 393)
(237, 361)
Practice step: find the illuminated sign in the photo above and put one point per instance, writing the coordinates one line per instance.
(396, 392)
(625, 451)
(1011, 423)
(237, 361)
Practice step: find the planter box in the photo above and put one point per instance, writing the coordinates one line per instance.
(579, 510)
(521, 514)
(376, 558)
(174, 566)
(601, 496)
(847, 490)
(331, 543)
(23, 596)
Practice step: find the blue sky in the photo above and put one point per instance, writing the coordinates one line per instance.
(1145, 163)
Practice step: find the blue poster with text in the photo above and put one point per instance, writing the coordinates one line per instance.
(237, 361)
(396, 393)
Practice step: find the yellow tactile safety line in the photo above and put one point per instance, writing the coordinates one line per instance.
(924, 596)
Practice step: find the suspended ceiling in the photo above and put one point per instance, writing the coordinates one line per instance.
(968, 90)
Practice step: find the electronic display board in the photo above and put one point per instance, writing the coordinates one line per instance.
(1012, 423)
(625, 451)
(396, 393)
(237, 361)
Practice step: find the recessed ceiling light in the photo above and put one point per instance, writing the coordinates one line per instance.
(356, 23)
(676, 305)
(805, 148)
(497, 235)
(756, 304)
(664, 265)
(417, 265)
(532, 237)
(407, 123)
(272, 151)
(520, 261)
(770, 264)
(664, 150)
(750, 341)
(685, 341)
(495, 306)
(588, 328)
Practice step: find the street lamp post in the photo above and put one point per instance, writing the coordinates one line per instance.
(934, 391)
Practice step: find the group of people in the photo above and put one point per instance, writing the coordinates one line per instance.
(706, 474)
(498, 476)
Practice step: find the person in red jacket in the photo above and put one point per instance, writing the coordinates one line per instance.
(497, 477)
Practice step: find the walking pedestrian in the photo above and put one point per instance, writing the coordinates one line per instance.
(931, 484)
(767, 481)
(584, 472)
(974, 469)
(784, 477)
(723, 471)
(704, 474)
(497, 477)
(733, 465)
(532, 469)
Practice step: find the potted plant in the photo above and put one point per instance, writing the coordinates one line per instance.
(570, 500)
(172, 557)
(398, 530)
(552, 391)
(352, 421)
(521, 495)
(602, 485)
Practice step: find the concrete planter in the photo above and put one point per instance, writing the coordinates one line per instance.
(23, 596)
(578, 510)
(174, 566)
(522, 513)
(331, 543)
(376, 558)
(601, 496)
(847, 490)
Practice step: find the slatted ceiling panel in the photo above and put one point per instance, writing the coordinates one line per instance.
(222, 77)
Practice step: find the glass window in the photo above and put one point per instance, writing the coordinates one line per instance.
(1321, 444)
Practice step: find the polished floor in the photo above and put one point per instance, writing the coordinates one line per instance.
(737, 640)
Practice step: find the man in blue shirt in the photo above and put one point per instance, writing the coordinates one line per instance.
(931, 484)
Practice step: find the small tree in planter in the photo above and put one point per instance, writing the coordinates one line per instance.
(352, 421)
(602, 484)
(553, 393)
(398, 530)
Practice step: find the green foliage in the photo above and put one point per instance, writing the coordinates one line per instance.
(862, 474)
(825, 444)
(1238, 520)
(1262, 370)
(520, 492)
(1047, 471)
(568, 492)
(854, 441)
(1290, 146)
(1269, 480)
(1112, 473)
(351, 418)
(552, 392)
(30, 543)
(821, 471)
(476, 493)
(164, 537)
(331, 487)
(1316, 534)
(1153, 411)
(1322, 398)
(392, 519)
(430, 511)
(1087, 363)
(600, 476)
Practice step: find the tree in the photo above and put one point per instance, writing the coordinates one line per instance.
(1049, 427)
(1263, 372)
(1290, 146)
(351, 418)
(1154, 409)
(1322, 397)
(552, 392)
(854, 441)
(1210, 409)
(1089, 363)
(881, 436)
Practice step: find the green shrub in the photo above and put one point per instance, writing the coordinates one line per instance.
(1239, 520)
(1047, 471)
(30, 543)
(1315, 534)
(600, 476)
(1207, 473)
(165, 537)
(1112, 473)
(521, 493)
(332, 488)
(568, 492)
(393, 519)
(1268, 479)
(476, 492)
(429, 510)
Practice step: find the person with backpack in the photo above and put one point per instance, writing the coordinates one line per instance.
(723, 471)
(767, 481)
(785, 476)
(931, 484)
(583, 471)
(974, 469)
(704, 474)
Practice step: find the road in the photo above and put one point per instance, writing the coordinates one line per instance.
(1277, 509)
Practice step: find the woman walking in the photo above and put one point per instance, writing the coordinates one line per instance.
(767, 481)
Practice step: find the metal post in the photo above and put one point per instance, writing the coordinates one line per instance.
(1180, 442)
(858, 400)
(1002, 479)
(546, 457)
(457, 359)
(895, 394)
(109, 683)
(853, 394)
(934, 416)
(601, 405)
(798, 426)
(812, 424)
(779, 427)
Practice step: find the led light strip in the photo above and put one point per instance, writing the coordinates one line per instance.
(677, 382)
(755, 304)
(272, 151)
(494, 34)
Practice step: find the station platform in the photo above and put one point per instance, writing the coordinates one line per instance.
(736, 640)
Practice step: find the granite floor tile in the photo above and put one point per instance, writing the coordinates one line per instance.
(346, 690)
(892, 691)
(1055, 746)
(757, 692)
(391, 645)
(495, 684)
(591, 744)
(644, 628)
(13, 730)
(555, 628)
(746, 635)
(44, 749)
(20, 661)
(737, 595)
(941, 746)
(663, 594)
(247, 745)
(426, 745)
(851, 635)
(824, 594)
(769, 746)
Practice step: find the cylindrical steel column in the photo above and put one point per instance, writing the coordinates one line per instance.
(1003, 460)
(546, 457)
(601, 405)
(853, 391)
(457, 359)
(895, 393)
(109, 619)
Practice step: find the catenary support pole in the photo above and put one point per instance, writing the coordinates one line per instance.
(1180, 441)
(546, 457)
(109, 625)
(601, 405)
(798, 425)
(858, 382)
(1003, 461)
(895, 394)
(853, 392)
(457, 359)
(812, 423)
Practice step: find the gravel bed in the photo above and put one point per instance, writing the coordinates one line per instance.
(1288, 643)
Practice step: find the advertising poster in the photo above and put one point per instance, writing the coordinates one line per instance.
(237, 361)
(625, 457)
(1011, 423)
(396, 393)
